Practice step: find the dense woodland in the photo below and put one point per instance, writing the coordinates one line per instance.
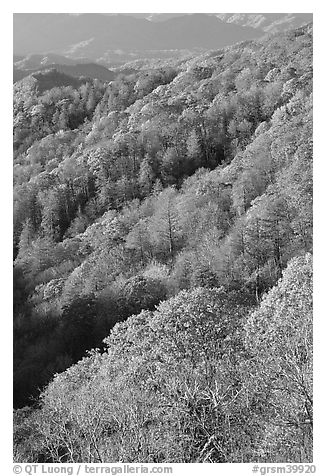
(163, 260)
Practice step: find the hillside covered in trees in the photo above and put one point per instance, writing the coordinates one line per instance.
(163, 260)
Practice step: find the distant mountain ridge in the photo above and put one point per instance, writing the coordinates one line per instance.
(92, 35)
(268, 22)
(34, 63)
(82, 45)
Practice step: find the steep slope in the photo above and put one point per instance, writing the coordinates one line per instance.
(193, 174)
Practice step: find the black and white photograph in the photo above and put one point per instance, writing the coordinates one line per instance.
(162, 240)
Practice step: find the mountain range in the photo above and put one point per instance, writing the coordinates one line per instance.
(92, 35)
(268, 22)
(91, 45)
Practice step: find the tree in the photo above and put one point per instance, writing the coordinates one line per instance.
(146, 177)
(138, 239)
(193, 149)
(140, 292)
(77, 326)
(164, 226)
(171, 167)
(26, 238)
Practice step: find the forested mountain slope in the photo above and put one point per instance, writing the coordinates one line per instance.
(189, 184)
